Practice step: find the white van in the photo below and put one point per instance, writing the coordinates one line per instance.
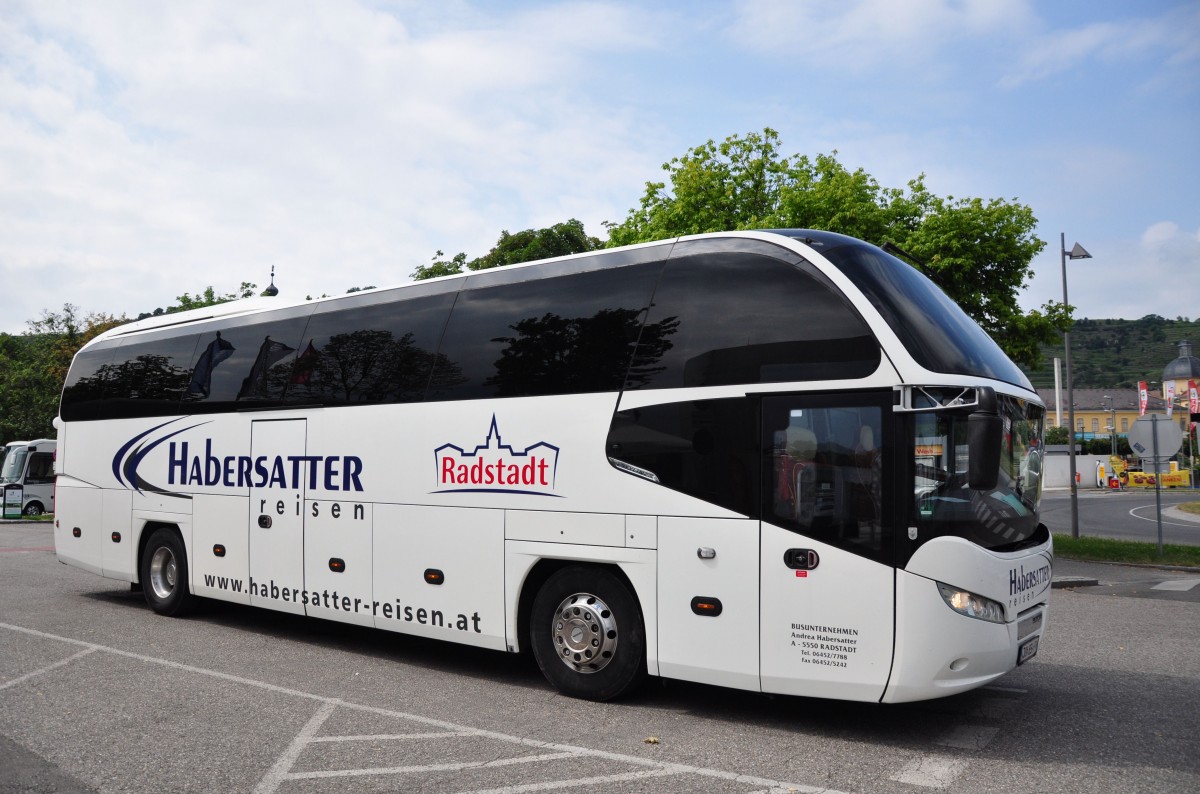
(30, 465)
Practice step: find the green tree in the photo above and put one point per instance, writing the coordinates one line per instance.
(979, 252)
(33, 367)
(1057, 435)
(441, 267)
(208, 297)
(560, 239)
(25, 390)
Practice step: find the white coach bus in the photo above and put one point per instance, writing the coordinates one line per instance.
(778, 461)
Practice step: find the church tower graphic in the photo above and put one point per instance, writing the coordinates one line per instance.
(496, 467)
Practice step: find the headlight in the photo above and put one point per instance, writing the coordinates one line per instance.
(971, 605)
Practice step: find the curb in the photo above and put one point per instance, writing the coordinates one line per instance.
(1061, 582)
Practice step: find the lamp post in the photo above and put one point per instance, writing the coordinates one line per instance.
(1076, 252)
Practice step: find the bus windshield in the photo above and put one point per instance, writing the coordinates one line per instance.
(936, 331)
(14, 464)
(1000, 518)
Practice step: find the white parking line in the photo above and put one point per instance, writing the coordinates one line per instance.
(287, 759)
(281, 769)
(554, 785)
(1177, 585)
(47, 668)
(450, 766)
(931, 771)
(385, 737)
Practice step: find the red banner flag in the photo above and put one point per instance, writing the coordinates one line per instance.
(1143, 397)
(1193, 397)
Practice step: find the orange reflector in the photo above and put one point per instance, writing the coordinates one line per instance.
(708, 607)
(218, 550)
(337, 565)
(116, 536)
(434, 576)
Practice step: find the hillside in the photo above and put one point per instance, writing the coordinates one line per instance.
(1118, 353)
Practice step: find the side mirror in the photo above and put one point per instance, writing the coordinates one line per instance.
(984, 435)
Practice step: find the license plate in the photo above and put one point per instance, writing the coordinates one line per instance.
(1027, 651)
(1029, 625)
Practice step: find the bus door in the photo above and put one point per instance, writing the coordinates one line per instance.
(827, 582)
(708, 600)
(277, 516)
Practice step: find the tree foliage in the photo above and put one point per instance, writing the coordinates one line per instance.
(208, 297)
(34, 365)
(978, 251)
(561, 239)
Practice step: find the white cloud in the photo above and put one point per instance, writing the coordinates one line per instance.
(1170, 37)
(151, 149)
(869, 35)
(1155, 273)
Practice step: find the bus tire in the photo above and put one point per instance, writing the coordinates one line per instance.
(164, 573)
(587, 635)
(33, 509)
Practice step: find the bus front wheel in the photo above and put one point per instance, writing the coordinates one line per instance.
(587, 634)
(164, 573)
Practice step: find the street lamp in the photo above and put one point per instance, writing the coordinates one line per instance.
(1076, 252)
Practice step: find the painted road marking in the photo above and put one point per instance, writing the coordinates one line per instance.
(931, 771)
(1177, 585)
(1133, 513)
(281, 770)
(47, 668)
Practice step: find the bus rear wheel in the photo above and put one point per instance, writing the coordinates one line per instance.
(587, 634)
(33, 509)
(164, 573)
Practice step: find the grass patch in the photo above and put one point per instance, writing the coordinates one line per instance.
(1190, 507)
(1109, 550)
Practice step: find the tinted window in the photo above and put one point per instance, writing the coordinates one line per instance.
(242, 366)
(146, 377)
(561, 335)
(937, 333)
(705, 448)
(364, 354)
(726, 313)
(83, 394)
(41, 469)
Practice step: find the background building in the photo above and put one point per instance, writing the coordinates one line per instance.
(1096, 410)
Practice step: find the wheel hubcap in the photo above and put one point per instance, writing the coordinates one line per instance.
(585, 633)
(163, 572)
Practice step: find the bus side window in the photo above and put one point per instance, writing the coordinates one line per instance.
(731, 314)
(572, 334)
(704, 448)
(83, 394)
(147, 376)
(364, 353)
(41, 469)
(238, 366)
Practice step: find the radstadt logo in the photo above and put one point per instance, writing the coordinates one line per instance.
(496, 467)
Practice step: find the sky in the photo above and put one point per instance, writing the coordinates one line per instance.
(152, 149)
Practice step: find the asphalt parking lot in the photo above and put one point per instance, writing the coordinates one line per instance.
(100, 694)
